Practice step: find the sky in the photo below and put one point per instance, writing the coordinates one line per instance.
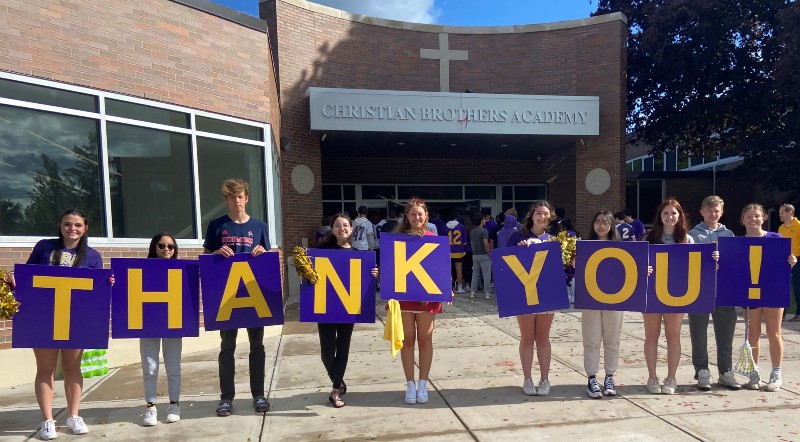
(454, 12)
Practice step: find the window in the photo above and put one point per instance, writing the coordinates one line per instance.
(151, 182)
(431, 192)
(480, 192)
(658, 162)
(648, 164)
(377, 192)
(213, 125)
(48, 163)
(134, 166)
(146, 113)
(219, 160)
(16, 90)
(671, 160)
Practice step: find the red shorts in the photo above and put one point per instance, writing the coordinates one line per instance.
(419, 306)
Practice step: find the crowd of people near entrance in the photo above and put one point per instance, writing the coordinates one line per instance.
(471, 248)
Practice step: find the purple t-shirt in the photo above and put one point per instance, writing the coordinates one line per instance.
(638, 229)
(43, 251)
(626, 232)
(772, 235)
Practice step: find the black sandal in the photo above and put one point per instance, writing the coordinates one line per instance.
(343, 390)
(336, 403)
(224, 409)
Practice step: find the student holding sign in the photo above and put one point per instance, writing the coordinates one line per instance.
(162, 246)
(669, 227)
(418, 317)
(238, 232)
(334, 338)
(709, 231)
(534, 328)
(70, 249)
(753, 218)
(605, 325)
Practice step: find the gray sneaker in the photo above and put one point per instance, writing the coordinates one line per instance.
(704, 380)
(754, 381)
(728, 380)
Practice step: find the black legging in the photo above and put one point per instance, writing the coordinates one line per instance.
(334, 343)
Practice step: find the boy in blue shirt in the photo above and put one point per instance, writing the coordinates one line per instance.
(238, 232)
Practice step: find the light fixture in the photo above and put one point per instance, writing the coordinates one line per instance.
(324, 135)
(401, 143)
(538, 159)
(286, 143)
(453, 144)
(504, 145)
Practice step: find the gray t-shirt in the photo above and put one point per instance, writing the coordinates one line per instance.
(476, 237)
(669, 239)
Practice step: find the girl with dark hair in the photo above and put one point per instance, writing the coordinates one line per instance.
(70, 249)
(418, 317)
(669, 227)
(605, 325)
(534, 328)
(334, 338)
(162, 246)
(753, 218)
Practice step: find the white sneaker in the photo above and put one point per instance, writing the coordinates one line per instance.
(654, 386)
(488, 296)
(728, 380)
(753, 383)
(670, 385)
(775, 382)
(422, 392)
(544, 388)
(460, 289)
(48, 430)
(173, 413)
(472, 295)
(411, 393)
(150, 416)
(703, 380)
(77, 425)
(528, 388)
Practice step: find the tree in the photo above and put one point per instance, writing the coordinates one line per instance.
(716, 75)
(11, 218)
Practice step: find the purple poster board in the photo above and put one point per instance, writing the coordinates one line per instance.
(61, 307)
(529, 279)
(611, 275)
(683, 278)
(754, 272)
(423, 271)
(155, 298)
(345, 292)
(241, 291)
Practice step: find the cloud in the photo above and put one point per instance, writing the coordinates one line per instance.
(417, 11)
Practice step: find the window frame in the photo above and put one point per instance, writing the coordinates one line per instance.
(267, 150)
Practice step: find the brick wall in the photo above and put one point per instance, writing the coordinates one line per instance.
(318, 48)
(154, 49)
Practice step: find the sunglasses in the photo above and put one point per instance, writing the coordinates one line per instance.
(163, 246)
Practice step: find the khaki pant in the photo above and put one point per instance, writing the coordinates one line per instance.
(597, 325)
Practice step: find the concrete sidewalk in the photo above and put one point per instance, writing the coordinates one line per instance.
(475, 392)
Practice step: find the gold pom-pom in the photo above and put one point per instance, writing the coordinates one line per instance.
(568, 247)
(8, 304)
(303, 265)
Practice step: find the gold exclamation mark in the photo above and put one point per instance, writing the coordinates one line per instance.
(755, 271)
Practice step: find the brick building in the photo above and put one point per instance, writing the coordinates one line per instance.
(136, 111)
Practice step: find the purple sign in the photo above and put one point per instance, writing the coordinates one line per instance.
(683, 278)
(155, 298)
(61, 307)
(754, 272)
(611, 275)
(529, 279)
(241, 291)
(415, 268)
(345, 292)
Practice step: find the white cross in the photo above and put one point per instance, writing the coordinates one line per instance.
(444, 55)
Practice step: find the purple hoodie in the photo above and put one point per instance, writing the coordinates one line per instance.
(510, 225)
